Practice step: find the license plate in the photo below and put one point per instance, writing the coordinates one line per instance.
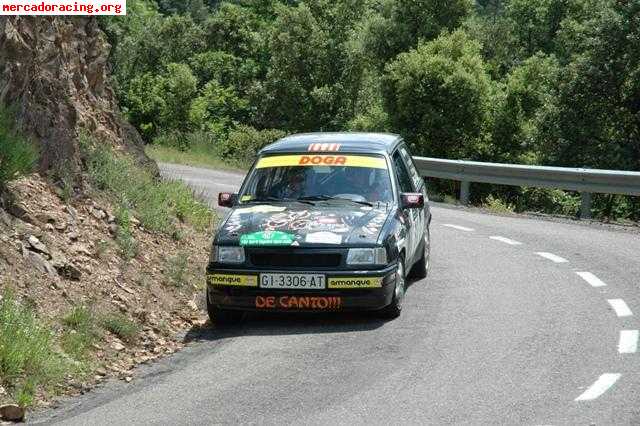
(292, 281)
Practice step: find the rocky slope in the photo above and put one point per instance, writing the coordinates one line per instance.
(53, 72)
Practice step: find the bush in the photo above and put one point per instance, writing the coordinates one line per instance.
(27, 356)
(17, 155)
(244, 143)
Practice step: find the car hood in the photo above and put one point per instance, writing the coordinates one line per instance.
(324, 224)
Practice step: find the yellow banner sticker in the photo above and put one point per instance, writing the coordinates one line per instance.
(322, 160)
(355, 282)
(234, 280)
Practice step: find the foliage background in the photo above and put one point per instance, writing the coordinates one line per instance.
(550, 82)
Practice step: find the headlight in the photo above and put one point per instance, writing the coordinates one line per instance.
(227, 254)
(367, 256)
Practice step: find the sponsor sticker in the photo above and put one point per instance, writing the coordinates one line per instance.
(321, 160)
(233, 280)
(323, 237)
(298, 302)
(260, 208)
(267, 238)
(353, 282)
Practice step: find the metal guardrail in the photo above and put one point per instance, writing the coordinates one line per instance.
(585, 181)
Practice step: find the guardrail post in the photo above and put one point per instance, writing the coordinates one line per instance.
(585, 205)
(464, 192)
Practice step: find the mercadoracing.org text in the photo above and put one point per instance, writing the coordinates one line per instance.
(63, 7)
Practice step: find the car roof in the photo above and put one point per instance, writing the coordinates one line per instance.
(368, 143)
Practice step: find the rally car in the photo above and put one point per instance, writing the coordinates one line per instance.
(322, 222)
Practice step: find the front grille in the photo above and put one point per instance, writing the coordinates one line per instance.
(295, 260)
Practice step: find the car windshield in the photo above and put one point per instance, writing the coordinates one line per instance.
(357, 178)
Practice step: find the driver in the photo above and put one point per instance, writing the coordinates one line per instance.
(358, 182)
(292, 185)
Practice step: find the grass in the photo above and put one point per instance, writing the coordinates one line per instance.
(121, 326)
(497, 205)
(28, 358)
(177, 268)
(196, 157)
(124, 235)
(158, 205)
(17, 155)
(79, 334)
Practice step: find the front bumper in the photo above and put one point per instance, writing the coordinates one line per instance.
(254, 298)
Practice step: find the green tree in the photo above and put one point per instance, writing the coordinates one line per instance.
(400, 25)
(217, 109)
(595, 118)
(438, 96)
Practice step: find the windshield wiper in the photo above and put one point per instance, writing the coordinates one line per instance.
(278, 200)
(329, 197)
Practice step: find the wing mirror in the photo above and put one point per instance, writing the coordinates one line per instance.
(412, 200)
(227, 199)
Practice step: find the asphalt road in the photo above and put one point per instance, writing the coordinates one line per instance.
(497, 334)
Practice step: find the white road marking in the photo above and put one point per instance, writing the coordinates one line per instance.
(601, 385)
(628, 343)
(621, 308)
(506, 241)
(552, 257)
(458, 227)
(591, 279)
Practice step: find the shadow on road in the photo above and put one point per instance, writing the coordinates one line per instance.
(274, 324)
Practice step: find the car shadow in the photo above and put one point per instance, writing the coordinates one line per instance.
(287, 323)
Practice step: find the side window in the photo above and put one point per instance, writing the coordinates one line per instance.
(413, 172)
(404, 180)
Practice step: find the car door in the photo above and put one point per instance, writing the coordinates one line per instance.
(405, 184)
(420, 186)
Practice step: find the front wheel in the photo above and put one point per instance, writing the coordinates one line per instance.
(421, 268)
(222, 316)
(395, 307)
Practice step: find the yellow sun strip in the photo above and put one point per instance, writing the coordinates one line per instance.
(322, 160)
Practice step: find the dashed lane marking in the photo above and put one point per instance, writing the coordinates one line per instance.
(601, 385)
(506, 240)
(552, 257)
(620, 307)
(591, 279)
(458, 227)
(628, 343)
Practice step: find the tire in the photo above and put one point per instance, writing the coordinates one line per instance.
(421, 269)
(222, 316)
(394, 309)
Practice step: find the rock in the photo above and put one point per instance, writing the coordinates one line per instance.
(82, 249)
(37, 245)
(117, 346)
(101, 372)
(98, 213)
(193, 305)
(69, 272)
(111, 218)
(2, 390)
(128, 379)
(61, 226)
(113, 229)
(12, 413)
(73, 235)
(39, 262)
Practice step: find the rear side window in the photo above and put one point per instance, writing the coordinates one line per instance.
(413, 172)
(404, 180)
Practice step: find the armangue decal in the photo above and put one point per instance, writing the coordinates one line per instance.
(298, 302)
(351, 282)
(267, 238)
(233, 280)
(322, 160)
